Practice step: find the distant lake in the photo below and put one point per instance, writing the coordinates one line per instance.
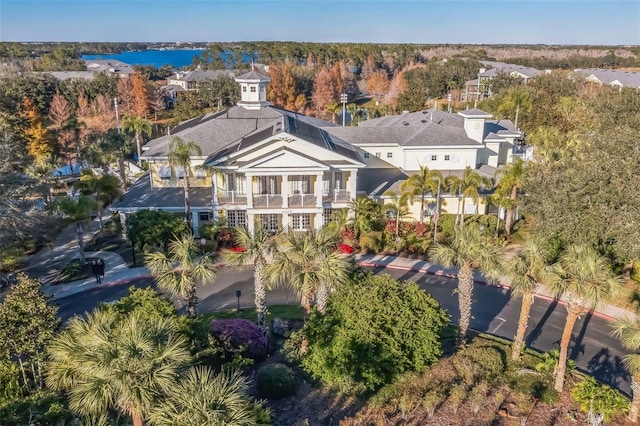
(157, 58)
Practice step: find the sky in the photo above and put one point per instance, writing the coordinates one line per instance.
(584, 22)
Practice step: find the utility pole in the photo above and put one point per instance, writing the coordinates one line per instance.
(115, 104)
(343, 99)
(436, 216)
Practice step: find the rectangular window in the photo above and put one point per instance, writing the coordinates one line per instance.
(389, 154)
(327, 216)
(447, 157)
(300, 222)
(270, 222)
(244, 89)
(301, 185)
(434, 158)
(268, 185)
(164, 172)
(236, 218)
(378, 154)
(200, 173)
(253, 89)
(180, 172)
(204, 216)
(366, 155)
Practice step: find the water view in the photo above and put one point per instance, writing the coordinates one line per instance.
(175, 58)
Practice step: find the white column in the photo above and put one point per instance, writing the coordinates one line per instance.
(318, 189)
(249, 184)
(195, 222)
(251, 222)
(284, 191)
(319, 219)
(352, 183)
(285, 219)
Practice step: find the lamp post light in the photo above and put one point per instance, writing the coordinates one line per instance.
(238, 295)
(133, 243)
(436, 215)
(343, 99)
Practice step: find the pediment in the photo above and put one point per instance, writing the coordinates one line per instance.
(283, 159)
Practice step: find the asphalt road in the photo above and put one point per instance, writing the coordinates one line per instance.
(594, 350)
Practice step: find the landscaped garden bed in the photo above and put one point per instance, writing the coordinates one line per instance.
(75, 270)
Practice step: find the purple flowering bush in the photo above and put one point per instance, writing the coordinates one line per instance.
(240, 336)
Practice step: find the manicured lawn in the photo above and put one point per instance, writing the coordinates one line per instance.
(275, 311)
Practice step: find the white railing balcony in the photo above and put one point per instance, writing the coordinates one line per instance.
(232, 197)
(337, 196)
(267, 200)
(302, 200)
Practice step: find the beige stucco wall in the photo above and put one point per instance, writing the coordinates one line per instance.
(158, 182)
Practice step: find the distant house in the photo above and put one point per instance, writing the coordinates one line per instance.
(614, 78)
(189, 80)
(479, 89)
(109, 66)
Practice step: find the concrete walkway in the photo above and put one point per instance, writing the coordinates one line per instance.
(47, 263)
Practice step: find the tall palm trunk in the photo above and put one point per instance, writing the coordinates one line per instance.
(137, 419)
(99, 209)
(464, 201)
(573, 312)
(139, 147)
(635, 401)
(187, 203)
(523, 322)
(508, 220)
(192, 302)
(465, 290)
(323, 297)
(260, 293)
(80, 235)
(422, 208)
(123, 174)
(517, 114)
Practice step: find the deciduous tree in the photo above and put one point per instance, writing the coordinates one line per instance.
(139, 96)
(34, 132)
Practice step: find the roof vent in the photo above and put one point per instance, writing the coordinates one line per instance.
(406, 123)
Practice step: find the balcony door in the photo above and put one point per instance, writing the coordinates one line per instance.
(268, 185)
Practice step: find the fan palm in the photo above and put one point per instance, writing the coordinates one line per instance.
(180, 153)
(80, 211)
(516, 99)
(526, 270)
(310, 265)
(363, 214)
(180, 272)
(398, 204)
(423, 182)
(254, 249)
(511, 180)
(204, 398)
(628, 331)
(467, 248)
(102, 188)
(109, 147)
(584, 280)
(105, 363)
(138, 126)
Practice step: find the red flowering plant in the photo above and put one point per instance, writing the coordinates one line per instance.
(238, 249)
(226, 234)
(348, 235)
(345, 248)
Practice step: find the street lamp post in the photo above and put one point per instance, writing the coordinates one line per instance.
(343, 99)
(133, 243)
(238, 295)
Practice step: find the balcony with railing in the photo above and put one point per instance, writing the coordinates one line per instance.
(267, 200)
(336, 196)
(232, 197)
(302, 200)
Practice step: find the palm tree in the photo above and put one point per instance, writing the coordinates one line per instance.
(628, 331)
(584, 280)
(104, 363)
(467, 248)
(526, 270)
(511, 180)
(109, 147)
(80, 211)
(180, 157)
(334, 108)
(363, 209)
(102, 188)
(516, 99)
(138, 126)
(468, 187)
(182, 270)
(399, 205)
(201, 397)
(310, 265)
(254, 249)
(423, 182)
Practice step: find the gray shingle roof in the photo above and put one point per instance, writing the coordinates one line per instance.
(475, 113)
(253, 75)
(142, 196)
(501, 67)
(201, 75)
(627, 78)
(419, 118)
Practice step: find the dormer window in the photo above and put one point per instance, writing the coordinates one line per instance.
(253, 89)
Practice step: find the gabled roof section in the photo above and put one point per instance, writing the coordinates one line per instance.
(623, 77)
(501, 67)
(286, 159)
(501, 128)
(419, 118)
(474, 113)
(252, 76)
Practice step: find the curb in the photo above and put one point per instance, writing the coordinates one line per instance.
(109, 284)
(455, 276)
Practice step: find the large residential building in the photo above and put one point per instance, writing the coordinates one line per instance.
(615, 78)
(478, 89)
(263, 164)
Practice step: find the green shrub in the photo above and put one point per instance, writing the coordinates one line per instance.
(549, 396)
(550, 362)
(373, 331)
(478, 396)
(10, 258)
(635, 272)
(447, 224)
(456, 397)
(291, 348)
(275, 381)
(371, 241)
(431, 401)
(478, 363)
(599, 398)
